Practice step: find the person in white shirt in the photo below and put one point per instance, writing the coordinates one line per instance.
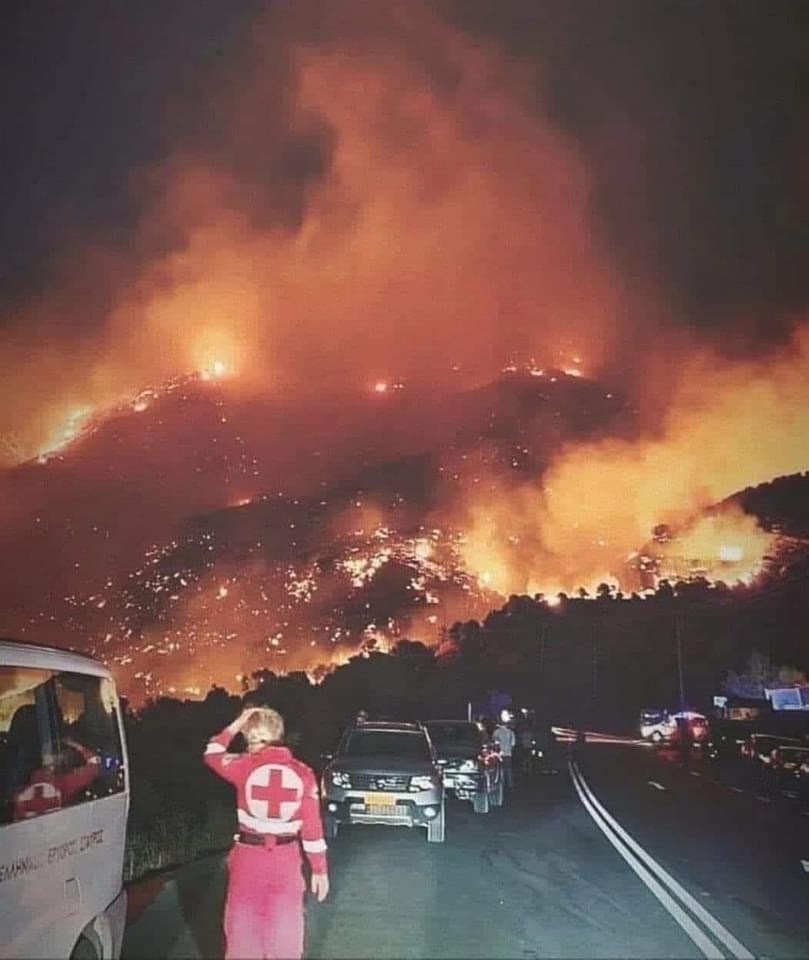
(504, 737)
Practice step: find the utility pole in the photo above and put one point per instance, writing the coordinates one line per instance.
(541, 665)
(542, 649)
(679, 634)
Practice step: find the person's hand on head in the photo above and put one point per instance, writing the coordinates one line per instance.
(241, 720)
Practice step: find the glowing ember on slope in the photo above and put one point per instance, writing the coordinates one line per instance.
(216, 371)
(177, 628)
(81, 421)
(362, 569)
(75, 423)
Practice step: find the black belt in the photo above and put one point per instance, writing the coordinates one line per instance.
(265, 840)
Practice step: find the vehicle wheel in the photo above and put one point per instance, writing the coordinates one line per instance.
(480, 802)
(435, 828)
(330, 826)
(497, 798)
(656, 737)
(84, 950)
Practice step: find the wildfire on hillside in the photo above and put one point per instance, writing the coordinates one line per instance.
(327, 579)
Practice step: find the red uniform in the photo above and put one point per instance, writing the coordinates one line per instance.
(279, 811)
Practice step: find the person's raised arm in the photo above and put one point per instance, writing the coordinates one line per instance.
(216, 751)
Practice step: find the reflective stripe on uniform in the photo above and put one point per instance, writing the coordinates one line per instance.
(214, 747)
(262, 825)
(314, 846)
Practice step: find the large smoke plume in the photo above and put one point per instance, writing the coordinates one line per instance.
(373, 199)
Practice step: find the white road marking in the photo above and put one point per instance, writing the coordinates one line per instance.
(656, 785)
(654, 875)
(737, 789)
(763, 799)
(705, 945)
(695, 773)
(805, 865)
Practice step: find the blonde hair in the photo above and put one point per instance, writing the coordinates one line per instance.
(265, 725)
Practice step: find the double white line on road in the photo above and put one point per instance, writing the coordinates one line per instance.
(668, 891)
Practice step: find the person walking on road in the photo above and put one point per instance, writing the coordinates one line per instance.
(278, 811)
(504, 737)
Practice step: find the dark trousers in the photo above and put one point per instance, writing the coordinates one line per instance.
(508, 772)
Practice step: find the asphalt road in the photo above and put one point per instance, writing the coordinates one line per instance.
(626, 854)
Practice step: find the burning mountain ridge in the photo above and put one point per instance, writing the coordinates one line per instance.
(353, 540)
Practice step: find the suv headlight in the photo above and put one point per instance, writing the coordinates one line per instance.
(340, 779)
(467, 766)
(423, 783)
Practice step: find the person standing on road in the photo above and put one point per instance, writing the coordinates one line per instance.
(504, 737)
(524, 748)
(278, 811)
(684, 739)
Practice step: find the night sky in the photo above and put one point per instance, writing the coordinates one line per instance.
(692, 118)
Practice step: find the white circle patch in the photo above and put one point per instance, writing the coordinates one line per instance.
(273, 792)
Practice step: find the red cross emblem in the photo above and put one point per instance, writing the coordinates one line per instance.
(273, 792)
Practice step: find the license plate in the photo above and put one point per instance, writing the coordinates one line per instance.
(380, 799)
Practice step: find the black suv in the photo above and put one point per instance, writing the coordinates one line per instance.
(470, 762)
(384, 772)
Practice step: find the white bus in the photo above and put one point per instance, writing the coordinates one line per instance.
(64, 800)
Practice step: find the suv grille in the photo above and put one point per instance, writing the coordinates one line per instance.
(380, 781)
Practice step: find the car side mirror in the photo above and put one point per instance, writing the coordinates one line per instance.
(327, 756)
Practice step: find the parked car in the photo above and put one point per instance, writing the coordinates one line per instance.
(657, 726)
(726, 738)
(660, 726)
(786, 761)
(470, 763)
(384, 772)
(759, 747)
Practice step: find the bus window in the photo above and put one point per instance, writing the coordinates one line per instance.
(87, 724)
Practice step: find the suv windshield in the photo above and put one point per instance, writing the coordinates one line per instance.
(387, 743)
(464, 735)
